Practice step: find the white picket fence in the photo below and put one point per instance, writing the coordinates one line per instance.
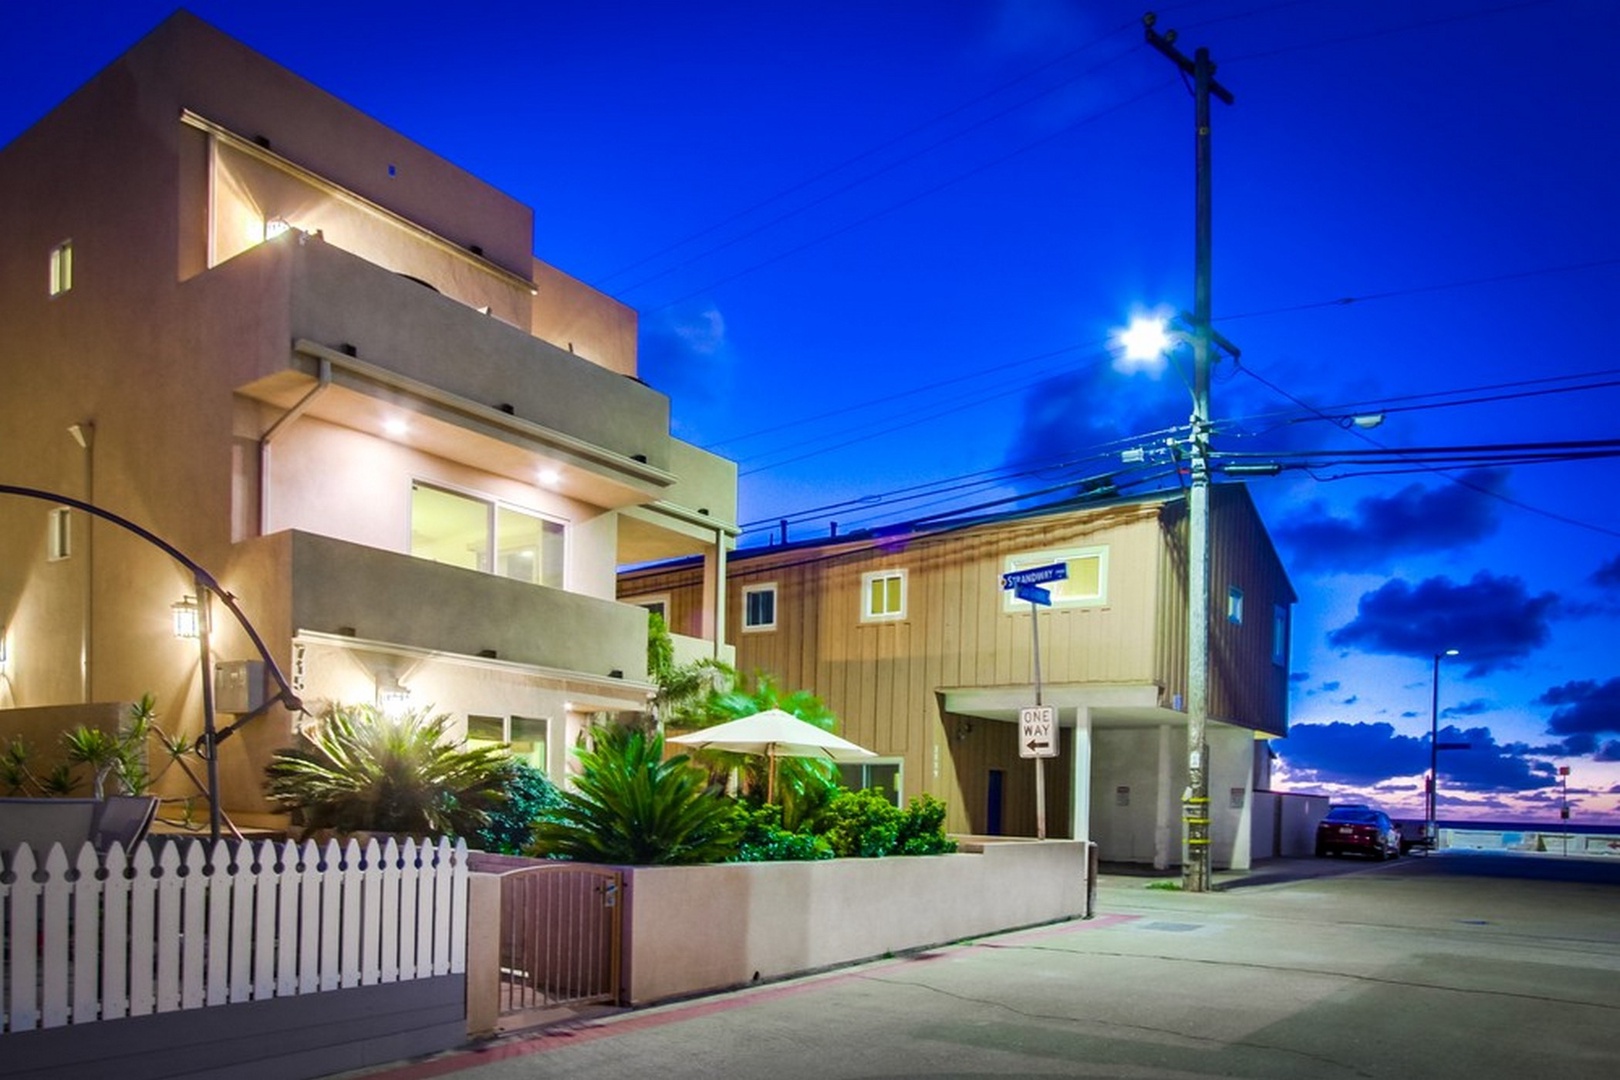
(201, 925)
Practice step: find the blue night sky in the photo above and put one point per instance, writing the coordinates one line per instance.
(879, 250)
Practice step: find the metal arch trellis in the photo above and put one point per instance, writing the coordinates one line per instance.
(207, 585)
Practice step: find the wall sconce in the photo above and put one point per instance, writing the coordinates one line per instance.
(393, 700)
(187, 618)
(964, 728)
(274, 227)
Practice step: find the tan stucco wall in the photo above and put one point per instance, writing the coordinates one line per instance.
(778, 919)
(573, 316)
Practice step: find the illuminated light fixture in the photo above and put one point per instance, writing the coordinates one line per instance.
(1144, 344)
(187, 618)
(3, 629)
(393, 699)
(395, 426)
(550, 477)
(274, 227)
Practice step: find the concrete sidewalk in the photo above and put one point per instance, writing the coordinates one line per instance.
(1447, 966)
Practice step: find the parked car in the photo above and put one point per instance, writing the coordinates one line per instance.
(1360, 830)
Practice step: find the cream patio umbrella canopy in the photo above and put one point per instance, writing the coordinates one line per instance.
(773, 733)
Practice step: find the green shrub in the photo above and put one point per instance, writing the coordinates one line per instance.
(530, 797)
(861, 824)
(631, 806)
(765, 840)
(922, 828)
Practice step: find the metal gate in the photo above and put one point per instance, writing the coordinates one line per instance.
(560, 932)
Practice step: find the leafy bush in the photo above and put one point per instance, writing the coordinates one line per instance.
(765, 840)
(861, 824)
(631, 806)
(361, 770)
(864, 824)
(922, 828)
(530, 796)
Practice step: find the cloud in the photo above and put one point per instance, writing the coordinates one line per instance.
(686, 353)
(1064, 433)
(1584, 709)
(1414, 520)
(1366, 755)
(1468, 708)
(1607, 576)
(1493, 621)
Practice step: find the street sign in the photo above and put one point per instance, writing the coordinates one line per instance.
(1034, 594)
(1037, 732)
(1035, 575)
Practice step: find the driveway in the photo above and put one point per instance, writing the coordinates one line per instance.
(1469, 966)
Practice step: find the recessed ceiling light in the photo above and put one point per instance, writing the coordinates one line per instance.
(394, 425)
(550, 477)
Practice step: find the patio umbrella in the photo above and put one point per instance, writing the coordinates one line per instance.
(773, 733)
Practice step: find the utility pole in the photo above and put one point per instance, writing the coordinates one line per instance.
(1195, 805)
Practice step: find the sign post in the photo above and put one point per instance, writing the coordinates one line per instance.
(1037, 727)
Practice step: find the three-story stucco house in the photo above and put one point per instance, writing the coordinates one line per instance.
(323, 362)
(909, 637)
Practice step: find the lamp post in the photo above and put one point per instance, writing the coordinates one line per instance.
(1430, 831)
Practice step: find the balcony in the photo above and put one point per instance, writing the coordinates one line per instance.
(374, 342)
(336, 587)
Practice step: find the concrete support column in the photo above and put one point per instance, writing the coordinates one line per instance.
(1166, 802)
(713, 626)
(1080, 782)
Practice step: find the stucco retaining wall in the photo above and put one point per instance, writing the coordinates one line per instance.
(694, 929)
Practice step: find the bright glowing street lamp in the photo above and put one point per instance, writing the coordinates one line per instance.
(1144, 343)
(1430, 832)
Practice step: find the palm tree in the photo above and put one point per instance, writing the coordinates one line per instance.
(631, 806)
(803, 785)
(363, 771)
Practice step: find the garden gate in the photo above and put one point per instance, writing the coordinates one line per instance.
(561, 925)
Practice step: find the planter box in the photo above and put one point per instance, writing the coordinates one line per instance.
(697, 929)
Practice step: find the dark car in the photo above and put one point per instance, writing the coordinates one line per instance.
(1360, 830)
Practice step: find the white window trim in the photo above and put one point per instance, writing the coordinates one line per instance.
(899, 764)
(1234, 605)
(651, 598)
(867, 614)
(1025, 560)
(748, 590)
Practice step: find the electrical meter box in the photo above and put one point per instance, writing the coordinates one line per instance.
(238, 686)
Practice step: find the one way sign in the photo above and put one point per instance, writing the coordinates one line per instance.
(1037, 732)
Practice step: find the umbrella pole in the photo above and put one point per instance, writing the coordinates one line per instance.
(770, 775)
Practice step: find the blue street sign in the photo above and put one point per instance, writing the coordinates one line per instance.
(1034, 594)
(1035, 576)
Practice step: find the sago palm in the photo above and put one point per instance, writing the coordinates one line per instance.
(631, 806)
(362, 770)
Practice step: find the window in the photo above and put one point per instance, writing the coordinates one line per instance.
(1234, 605)
(881, 773)
(61, 268)
(759, 607)
(1279, 634)
(60, 541)
(1086, 585)
(480, 534)
(523, 736)
(884, 593)
(655, 605)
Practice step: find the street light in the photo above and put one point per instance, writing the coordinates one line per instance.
(1430, 831)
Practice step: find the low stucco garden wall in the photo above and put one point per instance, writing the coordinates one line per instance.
(694, 929)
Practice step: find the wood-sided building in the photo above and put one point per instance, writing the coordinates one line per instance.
(909, 637)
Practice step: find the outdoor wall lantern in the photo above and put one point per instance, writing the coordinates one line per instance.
(393, 699)
(187, 618)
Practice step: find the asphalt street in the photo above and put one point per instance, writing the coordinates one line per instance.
(1455, 965)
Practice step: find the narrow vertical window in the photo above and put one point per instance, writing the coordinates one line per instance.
(1234, 605)
(1279, 634)
(60, 541)
(61, 268)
